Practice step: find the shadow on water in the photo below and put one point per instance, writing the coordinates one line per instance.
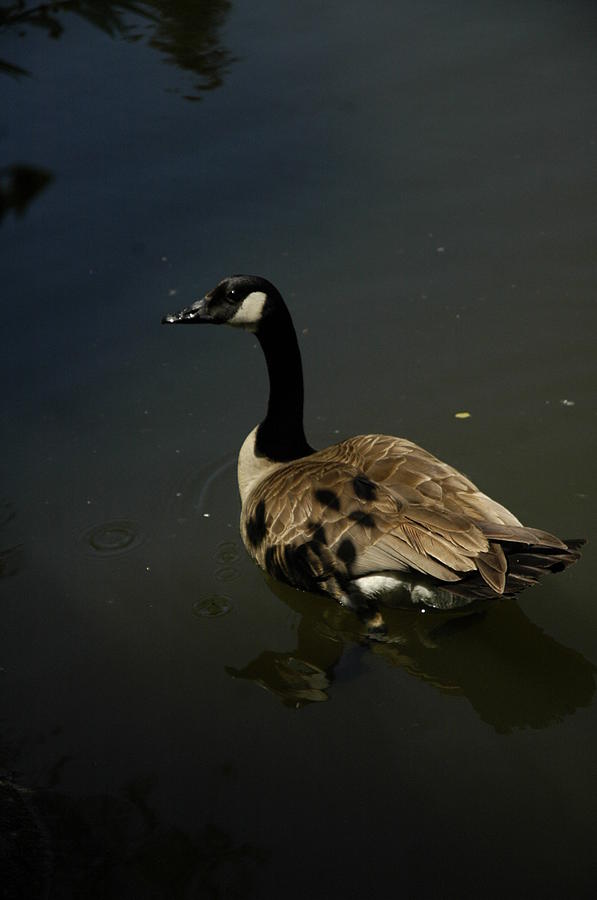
(186, 33)
(100, 846)
(512, 674)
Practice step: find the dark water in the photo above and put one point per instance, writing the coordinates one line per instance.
(420, 181)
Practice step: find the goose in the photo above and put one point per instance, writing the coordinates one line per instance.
(371, 520)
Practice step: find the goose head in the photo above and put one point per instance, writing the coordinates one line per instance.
(243, 301)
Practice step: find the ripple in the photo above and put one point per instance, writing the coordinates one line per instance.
(227, 552)
(201, 492)
(227, 573)
(212, 606)
(113, 538)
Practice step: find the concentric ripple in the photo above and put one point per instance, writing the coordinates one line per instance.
(212, 606)
(113, 538)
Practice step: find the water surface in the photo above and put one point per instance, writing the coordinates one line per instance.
(419, 180)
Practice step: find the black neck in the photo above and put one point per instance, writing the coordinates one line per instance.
(281, 436)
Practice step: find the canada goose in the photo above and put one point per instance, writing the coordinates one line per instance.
(373, 517)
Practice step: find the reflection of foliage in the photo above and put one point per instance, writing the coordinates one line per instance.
(185, 31)
(187, 34)
(18, 187)
(24, 854)
(113, 846)
(9, 554)
(102, 13)
(9, 69)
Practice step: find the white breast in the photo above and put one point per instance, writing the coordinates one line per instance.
(252, 466)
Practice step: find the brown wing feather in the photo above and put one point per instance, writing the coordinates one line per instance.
(377, 503)
(398, 463)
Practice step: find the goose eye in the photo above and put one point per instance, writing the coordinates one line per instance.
(231, 295)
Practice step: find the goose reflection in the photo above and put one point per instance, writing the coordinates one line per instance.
(512, 673)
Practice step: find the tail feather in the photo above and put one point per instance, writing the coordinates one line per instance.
(575, 543)
(526, 563)
(521, 534)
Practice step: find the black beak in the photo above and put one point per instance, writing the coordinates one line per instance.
(196, 313)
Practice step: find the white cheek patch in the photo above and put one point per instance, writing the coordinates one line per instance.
(249, 312)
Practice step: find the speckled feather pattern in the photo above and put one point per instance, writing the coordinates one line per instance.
(376, 503)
